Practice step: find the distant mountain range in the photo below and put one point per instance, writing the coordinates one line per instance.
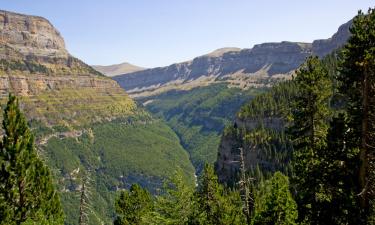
(261, 65)
(117, 69)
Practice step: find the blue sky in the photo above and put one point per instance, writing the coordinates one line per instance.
(154, 33)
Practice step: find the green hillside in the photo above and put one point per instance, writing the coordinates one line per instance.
(87, 126)
(198, 116)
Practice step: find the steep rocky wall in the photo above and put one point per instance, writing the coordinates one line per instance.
(54, 87)
(28, 85)
(268, 59)
(30, 35)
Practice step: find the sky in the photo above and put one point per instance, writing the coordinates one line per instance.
(152, 33)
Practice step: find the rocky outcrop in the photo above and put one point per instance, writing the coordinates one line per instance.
(26, 85)
(54, 86)
(267, 60)
(260, 130)
(30, 36)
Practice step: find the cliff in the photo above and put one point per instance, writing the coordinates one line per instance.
(34, 63)
(82, 120)
(254, 67)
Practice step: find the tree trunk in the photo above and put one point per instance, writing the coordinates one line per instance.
(363, 179)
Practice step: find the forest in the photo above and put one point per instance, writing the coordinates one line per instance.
(322, 168)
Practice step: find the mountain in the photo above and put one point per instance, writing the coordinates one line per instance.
(260, 128)
(118, 69)
(258, 66)
(85, 124)
(200, 97)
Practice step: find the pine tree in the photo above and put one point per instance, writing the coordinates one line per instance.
(133, 205)
(27, 193)
(357, 85)
(309, 130)
(275, 205)
(176, 205)
(216, 205)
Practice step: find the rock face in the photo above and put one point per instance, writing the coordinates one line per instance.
(82, 120)
(30, 35)
(260, 130)
(35, 63)
(265, 60)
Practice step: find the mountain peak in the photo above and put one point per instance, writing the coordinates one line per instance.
(118, 69)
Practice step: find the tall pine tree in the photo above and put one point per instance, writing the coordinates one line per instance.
(309, 131)
(27, 193)
(357, 84)
(275, 205)
(217, 206)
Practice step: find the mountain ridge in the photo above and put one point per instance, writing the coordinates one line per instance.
(261, 65)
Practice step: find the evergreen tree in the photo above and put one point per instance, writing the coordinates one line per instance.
(309, 130)
(275, 205)
(176, 205)
(133, 205)
(27, 193)
(217, 206)
(357, 85)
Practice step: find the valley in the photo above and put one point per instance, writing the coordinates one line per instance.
(277, 133)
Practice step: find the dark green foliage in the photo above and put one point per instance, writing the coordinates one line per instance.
(27, 193)
(357, 85)
(267, 115)
(180, 203)
(274, 203)
(323, 167)
(176, 204)
(119, 154)
(133, 205)
(309, 130)
(215, 205)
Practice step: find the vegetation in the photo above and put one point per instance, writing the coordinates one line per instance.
(274, 202)
(176, 203)
(317, 128)
(133, 205)
(179, 203)
(115, 154)
(27, 193)
(198, 116)
(325, 116)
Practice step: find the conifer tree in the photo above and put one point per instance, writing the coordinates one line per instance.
(357, 85)
(276, 205)
(176, 205)
(309, 130)
(27, 193)
(133, 205)
(217, 206)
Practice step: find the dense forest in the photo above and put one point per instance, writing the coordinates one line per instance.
(317, 165)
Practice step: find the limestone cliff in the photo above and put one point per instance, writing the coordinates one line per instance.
(82, 120)
(34, 64)
(245, 68)
(30, 35)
